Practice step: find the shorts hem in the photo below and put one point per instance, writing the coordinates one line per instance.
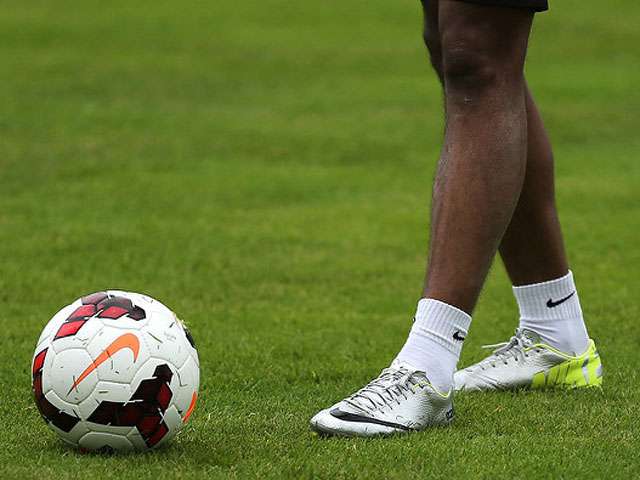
(535, 5)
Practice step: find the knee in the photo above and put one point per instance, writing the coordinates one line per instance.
(470, 63)
(468, 67)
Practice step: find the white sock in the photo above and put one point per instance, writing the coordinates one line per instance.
(435, 341)
(552, 310)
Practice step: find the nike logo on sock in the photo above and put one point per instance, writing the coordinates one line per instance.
(457, 336)
(552, 304)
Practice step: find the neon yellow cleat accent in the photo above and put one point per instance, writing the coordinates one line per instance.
(527, 362)
(576, 372)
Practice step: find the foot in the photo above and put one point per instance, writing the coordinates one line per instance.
(526, 362)
(400, 400)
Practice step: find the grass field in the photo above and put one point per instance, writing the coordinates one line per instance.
(264, 168)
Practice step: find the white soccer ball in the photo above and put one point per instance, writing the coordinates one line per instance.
(115, 370)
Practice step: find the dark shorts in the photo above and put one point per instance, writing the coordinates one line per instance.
(537, 5)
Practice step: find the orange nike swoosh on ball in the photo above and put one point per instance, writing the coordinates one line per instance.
(128, 340)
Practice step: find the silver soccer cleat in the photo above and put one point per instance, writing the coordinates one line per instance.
(525, 362)
(400, 400)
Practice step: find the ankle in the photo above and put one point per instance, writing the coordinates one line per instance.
(435, 341)
(552, 310)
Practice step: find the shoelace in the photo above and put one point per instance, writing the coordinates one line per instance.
(383, 391)
(514, 348)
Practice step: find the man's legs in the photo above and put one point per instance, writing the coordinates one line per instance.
(532, 247)
(483, 161)
(479, 52)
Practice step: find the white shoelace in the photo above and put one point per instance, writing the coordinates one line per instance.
(389, 387)
(514, 348)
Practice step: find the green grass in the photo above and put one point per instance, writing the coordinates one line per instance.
(264, 168)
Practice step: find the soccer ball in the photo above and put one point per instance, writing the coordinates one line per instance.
(115, 370)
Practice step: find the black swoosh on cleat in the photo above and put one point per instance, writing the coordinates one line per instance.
(552, 304)
(354, 417)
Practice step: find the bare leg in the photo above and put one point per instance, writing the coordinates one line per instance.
(532, 248)
(482, 165)
(478, 53)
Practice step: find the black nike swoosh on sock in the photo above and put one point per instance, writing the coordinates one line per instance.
(354, 417)
(457, 336)
(552, 304)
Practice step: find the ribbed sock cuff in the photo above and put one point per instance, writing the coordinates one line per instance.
(555, 299)
(442, 323)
